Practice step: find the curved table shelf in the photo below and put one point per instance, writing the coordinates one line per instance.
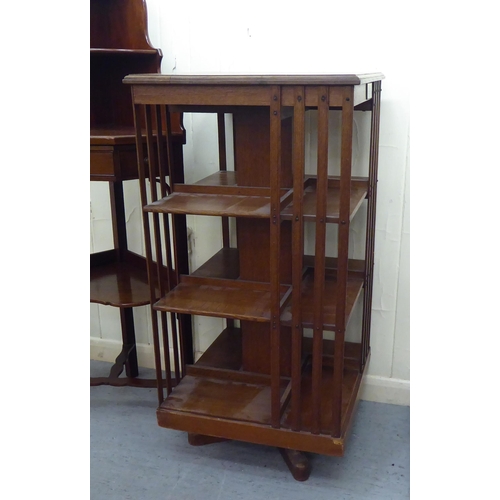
(120, 284)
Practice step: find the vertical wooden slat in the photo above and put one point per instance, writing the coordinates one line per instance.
(221, 129)
(138, 119)
(275, 230)
(343, 251)
(162, 149)
(179, 226)
(168, 142)
(221, 132)
(164, 162)
(153, 169)
(298, 156)
(319, 260)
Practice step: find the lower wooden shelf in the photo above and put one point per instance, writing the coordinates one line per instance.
(216, 398)
(350, 384)
(244, 400)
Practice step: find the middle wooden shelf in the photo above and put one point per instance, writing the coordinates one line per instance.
(220, 194)
(215, 289)
(233, 299)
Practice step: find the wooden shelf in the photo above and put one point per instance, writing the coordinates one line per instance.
(119, 284)
(214, 397)
(213, 204)
(233, 299)
(215, 290)
(359, 190)
(217, 194)
(215, 390)
(220, 194)
(350, 384)
(354, 287)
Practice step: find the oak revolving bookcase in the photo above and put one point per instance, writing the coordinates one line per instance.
(262, 380)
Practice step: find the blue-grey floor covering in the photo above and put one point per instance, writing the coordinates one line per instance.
(131, 457)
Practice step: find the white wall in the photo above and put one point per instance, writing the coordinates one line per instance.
(264, 37)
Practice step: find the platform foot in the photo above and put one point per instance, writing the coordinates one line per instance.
(202, 440)
(297, 462)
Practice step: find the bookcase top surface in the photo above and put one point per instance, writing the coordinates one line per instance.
(251, 79)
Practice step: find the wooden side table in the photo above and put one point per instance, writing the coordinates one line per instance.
(119, 44)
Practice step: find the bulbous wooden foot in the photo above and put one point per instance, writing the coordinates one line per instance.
(202, 440)
(297, 462)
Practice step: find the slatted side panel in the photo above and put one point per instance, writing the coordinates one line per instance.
(167, 167)
(370, 228)
(139, 113)
(176, 332)
(152, 122)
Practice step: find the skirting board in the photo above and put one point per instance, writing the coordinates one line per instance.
(374, 388)
(392, 391)
(108, 350)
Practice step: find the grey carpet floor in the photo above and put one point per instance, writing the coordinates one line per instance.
(131, 457)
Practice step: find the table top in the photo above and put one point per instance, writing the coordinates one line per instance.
(249, 79)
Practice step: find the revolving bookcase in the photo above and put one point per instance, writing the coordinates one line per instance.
(262, 380)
